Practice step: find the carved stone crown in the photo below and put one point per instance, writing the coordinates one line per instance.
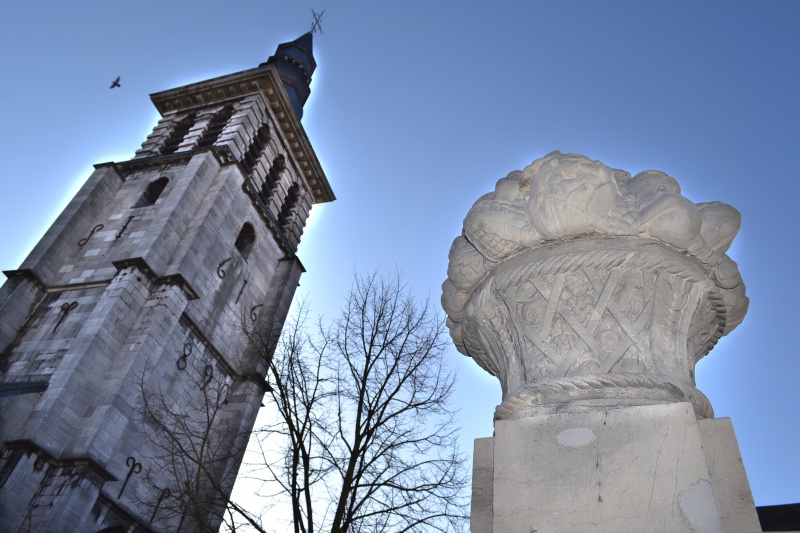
(580, 287)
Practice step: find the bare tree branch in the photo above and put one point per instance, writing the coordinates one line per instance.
(363, 437)
(364, 428)
(192, 445)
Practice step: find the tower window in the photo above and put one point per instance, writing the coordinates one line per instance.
(255, 149)
(152, 192)
(273, 177)
(288, 206)
(245, 240)
(215, 127)
(178, 133)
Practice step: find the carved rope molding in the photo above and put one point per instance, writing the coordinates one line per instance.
(601, 387)
(636, 319)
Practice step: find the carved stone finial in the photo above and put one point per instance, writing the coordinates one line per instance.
(579, 286)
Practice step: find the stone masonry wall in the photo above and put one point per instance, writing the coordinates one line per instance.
(148, 282)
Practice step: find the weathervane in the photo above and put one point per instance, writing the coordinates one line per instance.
(317, 24)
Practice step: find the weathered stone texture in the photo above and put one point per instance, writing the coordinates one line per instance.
(728, 478)
(602, 471)
(482, 513)
(644, 468)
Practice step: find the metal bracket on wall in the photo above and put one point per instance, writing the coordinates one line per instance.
(86, 239)
(220, 270)
(65, 310)
(161, 497)
(125, 226)
(135, 468)
(187, 351)
(208, 375)
(241, 291)
(224, 393)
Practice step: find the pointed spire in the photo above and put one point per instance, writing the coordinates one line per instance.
(305, 41)
(295, 64)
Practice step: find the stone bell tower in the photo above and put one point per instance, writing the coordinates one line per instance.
(141, 289)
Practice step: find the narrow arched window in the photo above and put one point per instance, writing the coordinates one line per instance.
(152, 192)
(245, 240)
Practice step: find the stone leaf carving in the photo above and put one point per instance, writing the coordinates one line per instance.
(579, 285)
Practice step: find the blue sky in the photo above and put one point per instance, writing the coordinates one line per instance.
(417, 108)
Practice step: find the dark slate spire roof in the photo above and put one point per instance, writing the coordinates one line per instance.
(295, 64)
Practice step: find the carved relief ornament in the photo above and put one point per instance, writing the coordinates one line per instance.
(582, 287)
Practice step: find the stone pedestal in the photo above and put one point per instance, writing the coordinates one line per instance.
(644, 468)
(591, 295)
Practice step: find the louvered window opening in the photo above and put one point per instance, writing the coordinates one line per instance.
(215, 127)
(256, 149)
(178, 134)
(288, 206)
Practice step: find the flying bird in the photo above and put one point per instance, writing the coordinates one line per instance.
(115, 83)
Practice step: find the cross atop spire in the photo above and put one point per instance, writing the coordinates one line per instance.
(317, 24)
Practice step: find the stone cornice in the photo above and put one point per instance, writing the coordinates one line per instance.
(264, 79)
(113, 166)
(137, 262)
(28, 274)
(29, 446)
(171, 279)
(124, 168)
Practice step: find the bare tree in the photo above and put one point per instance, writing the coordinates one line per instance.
(300, 391)
(191, 470)
(366, 438)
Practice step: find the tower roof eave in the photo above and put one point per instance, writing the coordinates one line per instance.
(265, 80)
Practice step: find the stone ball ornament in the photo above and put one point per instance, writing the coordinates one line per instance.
(580, 287)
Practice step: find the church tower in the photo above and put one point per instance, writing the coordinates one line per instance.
(128, 385)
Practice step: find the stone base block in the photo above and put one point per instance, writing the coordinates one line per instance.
(644, 468)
